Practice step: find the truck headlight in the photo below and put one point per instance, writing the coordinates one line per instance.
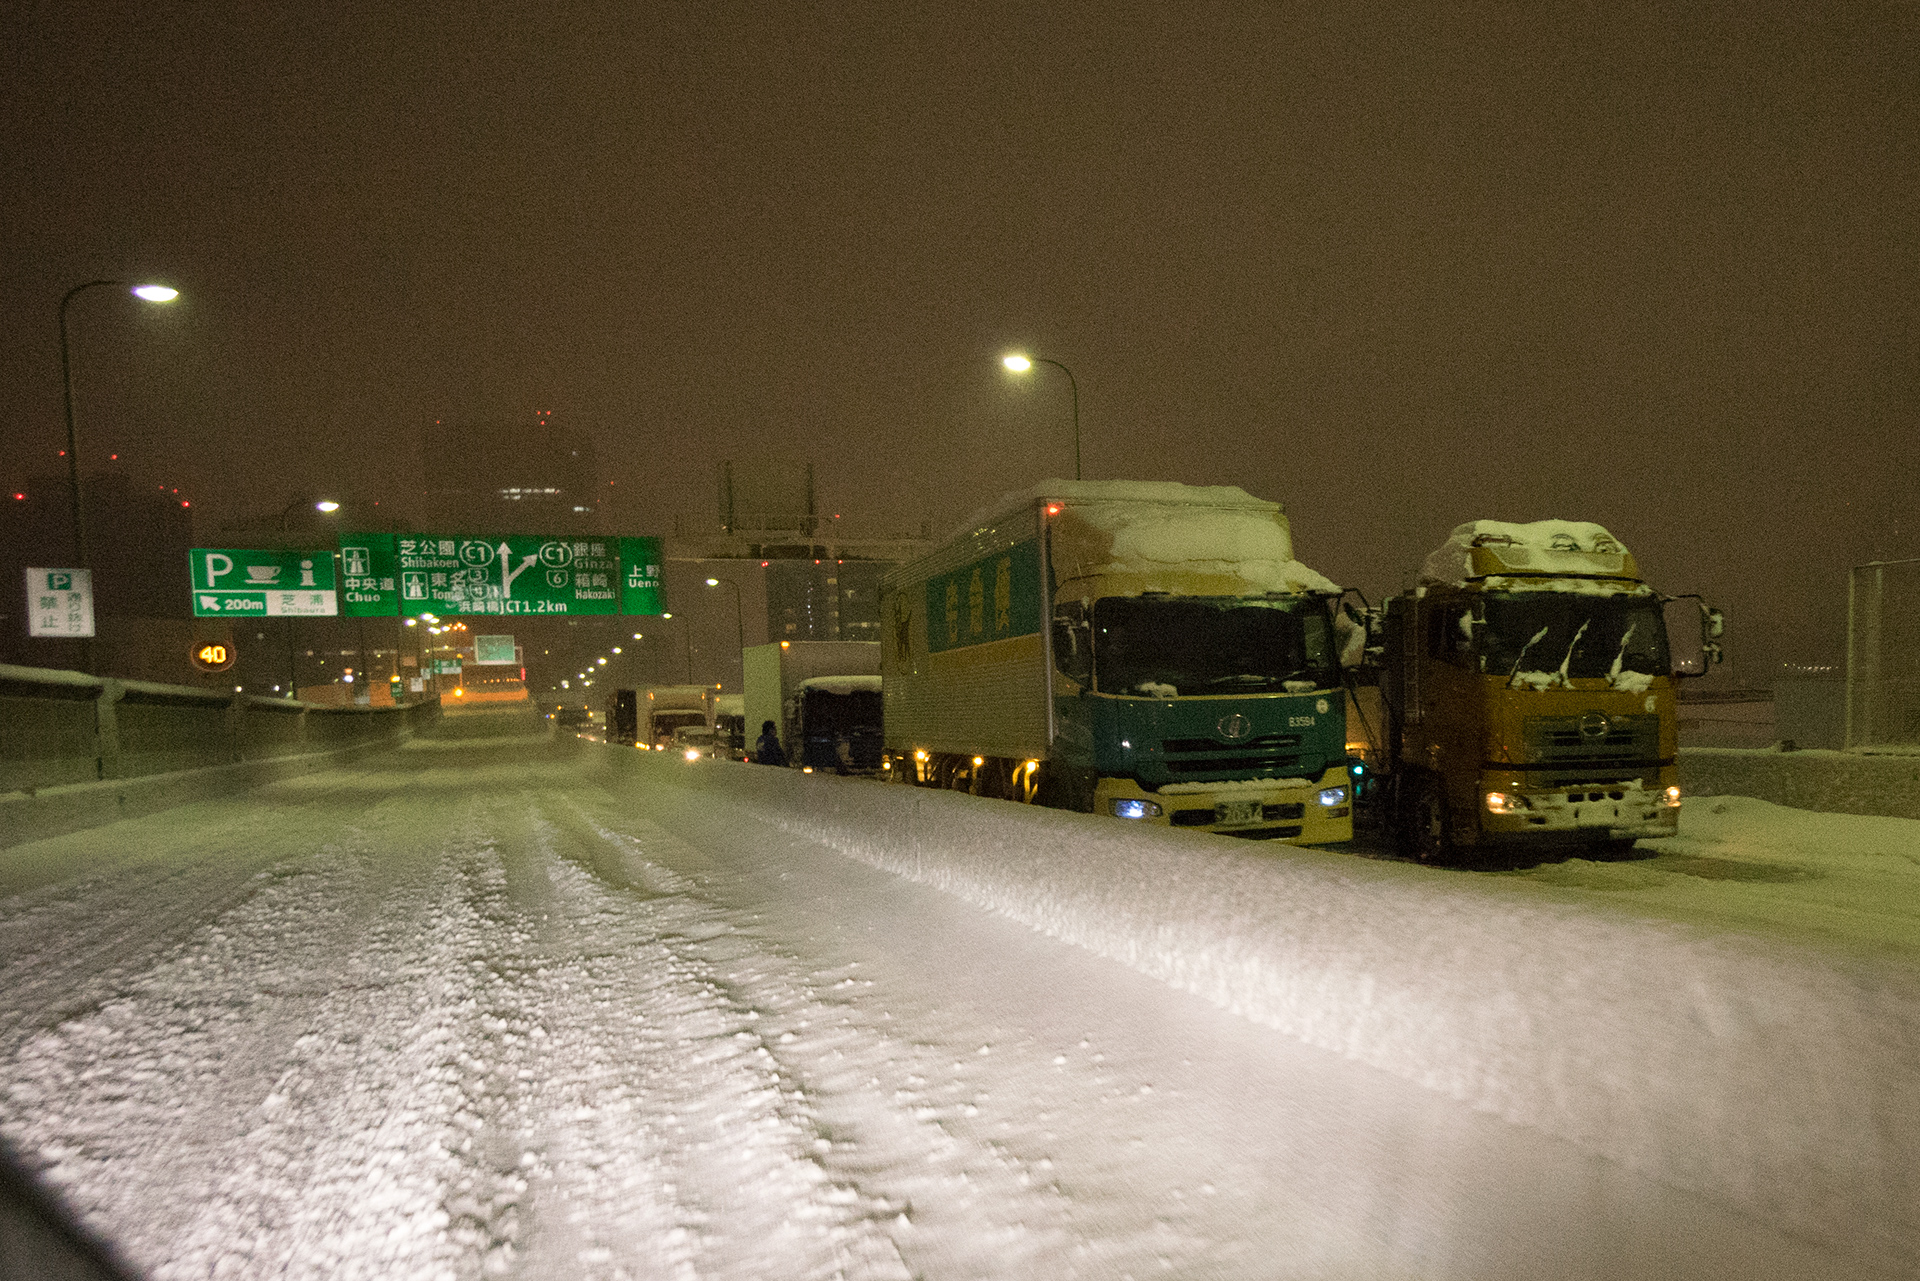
(1506, 803)
(1127, 807)
(693, 753)
(1331, 796)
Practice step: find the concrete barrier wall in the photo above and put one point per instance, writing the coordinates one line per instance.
(79, 750)
(1829, 782)
(59, 728)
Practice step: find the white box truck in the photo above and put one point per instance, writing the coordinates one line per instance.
(823, 698)
(1142, 649)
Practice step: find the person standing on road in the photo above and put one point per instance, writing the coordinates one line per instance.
(767, 749)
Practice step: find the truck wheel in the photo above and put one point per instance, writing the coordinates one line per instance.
(1426, 821)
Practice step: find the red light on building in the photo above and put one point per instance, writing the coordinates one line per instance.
(20, 497)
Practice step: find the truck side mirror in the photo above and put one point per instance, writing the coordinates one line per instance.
(1684, 636)
(1712, 625)
(1692, 631)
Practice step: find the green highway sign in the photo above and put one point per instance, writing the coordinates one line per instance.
(640, 576)
(263, 584)
(494, 649)
(369, 575)
(510, 574)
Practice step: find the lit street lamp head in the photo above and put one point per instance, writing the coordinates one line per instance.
(1017, 363)
(713, 582)
(326, 505)
(155, 293)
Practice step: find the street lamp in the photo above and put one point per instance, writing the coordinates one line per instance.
(147, 293)
(325, 505)
(1020, 363)
(739, 623)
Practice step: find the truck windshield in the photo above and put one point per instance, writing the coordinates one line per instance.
(1168, 646)
(828, 712)
(1572, 635)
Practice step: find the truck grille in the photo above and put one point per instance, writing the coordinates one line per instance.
(1591, 739)
(1264, 743)
(1250, 756)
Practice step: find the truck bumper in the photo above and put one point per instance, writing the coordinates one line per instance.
(1585, 812)
(1282, 809)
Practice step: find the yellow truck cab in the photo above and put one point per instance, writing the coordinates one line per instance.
(1528, 689)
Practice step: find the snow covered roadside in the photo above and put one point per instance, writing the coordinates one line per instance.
(1770, 1076)
(1829, 782)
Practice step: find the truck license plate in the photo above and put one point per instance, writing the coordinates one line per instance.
(1237, 812)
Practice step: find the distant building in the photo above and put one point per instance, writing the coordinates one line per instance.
(533, 477)
(824, 600)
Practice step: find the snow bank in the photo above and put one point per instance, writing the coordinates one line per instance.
(1778, 1080)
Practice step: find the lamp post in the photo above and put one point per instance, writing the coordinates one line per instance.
(739, 623)
(146, 293)
(686, 632)
(327, 506)
(1020, 363)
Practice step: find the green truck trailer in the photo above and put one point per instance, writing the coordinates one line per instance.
(1141, 649)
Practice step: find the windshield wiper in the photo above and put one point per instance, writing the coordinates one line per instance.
(1522, 656)
(1568, 660)
(1619, 655)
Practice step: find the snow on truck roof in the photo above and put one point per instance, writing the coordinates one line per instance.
(1114, 491)
(1147, 528)
(1493, 549)
(842, 684)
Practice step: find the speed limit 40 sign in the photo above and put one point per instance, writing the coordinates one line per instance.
(213, 656)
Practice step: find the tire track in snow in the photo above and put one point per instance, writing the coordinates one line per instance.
(663, 1137)
(275, 1094)
(889, 1118)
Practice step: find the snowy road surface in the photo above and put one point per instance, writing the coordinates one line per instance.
(515, 1008)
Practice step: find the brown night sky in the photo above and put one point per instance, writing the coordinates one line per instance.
(1397, 266)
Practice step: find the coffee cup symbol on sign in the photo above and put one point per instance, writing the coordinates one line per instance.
(262, 573)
